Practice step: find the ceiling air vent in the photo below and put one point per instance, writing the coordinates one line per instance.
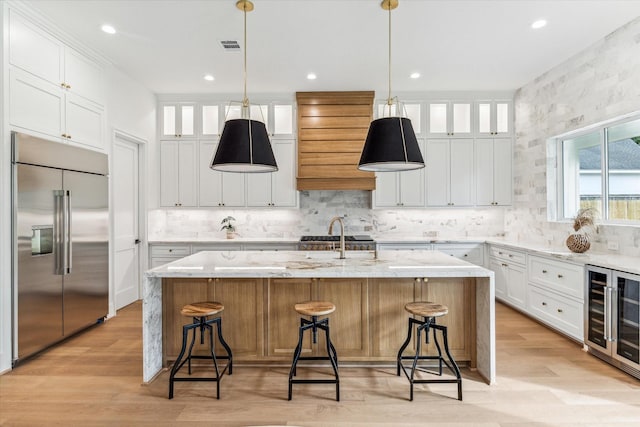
(230, 45)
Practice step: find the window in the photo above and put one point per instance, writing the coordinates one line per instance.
(601, 170)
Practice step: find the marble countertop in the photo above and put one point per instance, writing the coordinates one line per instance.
(388, 264)
(222, 239)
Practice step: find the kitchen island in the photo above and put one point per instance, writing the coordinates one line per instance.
(369, 289)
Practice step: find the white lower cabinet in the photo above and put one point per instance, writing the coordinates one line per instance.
(470, 252)
(556, 310)
(510, 275)
(556, 294)
(164, 254)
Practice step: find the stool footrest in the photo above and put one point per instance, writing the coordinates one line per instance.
(298, 381)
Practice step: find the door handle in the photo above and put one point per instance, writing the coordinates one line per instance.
(66, 201)
(58, 232)
(136, 242)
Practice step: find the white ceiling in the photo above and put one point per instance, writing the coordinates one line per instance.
(456, 45)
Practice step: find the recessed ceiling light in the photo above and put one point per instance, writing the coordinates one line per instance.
(539, 24)
(311, 76)
(209, 78)
(415, 75)
(108, 29)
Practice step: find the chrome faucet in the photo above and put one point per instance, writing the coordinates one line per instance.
(339, 219)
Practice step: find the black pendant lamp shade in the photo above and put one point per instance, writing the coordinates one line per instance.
(244, 147)
(391, 145)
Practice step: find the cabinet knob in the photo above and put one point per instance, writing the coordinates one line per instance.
(544, 271)
(68, 86)
(560, 276)
(68, 136)
(559, 310)
(175, 135)
(170, 250)
(64, 135)
(465, 255)
(209, 280)
(505, 265)
(544, 303)
(418, 280)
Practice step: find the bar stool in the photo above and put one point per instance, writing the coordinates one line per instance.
(199, 311)
(428, 311)
(315, 309)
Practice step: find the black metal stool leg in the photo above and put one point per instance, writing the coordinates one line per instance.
(294, 363)
(334, 362)
(435, 339)
(453, 362)
(196, 321)
(176, 365)
(403, 348)
(224, 344)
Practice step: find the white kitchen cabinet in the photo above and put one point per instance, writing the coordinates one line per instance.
(178, 178)
(216, 188)
(54, 90)
(275, 188)
(178, 120)
(494, 117)
(160, 254)
(556, 294)
(270, 246)
(493, 171)
(511, 279)
(470, 252)
(39, 106)
(401, 189)
(403, 246)
(449, 118)
(449, 169)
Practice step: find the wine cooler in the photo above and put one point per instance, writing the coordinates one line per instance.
(612, 318)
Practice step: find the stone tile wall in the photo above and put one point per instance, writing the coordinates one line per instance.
(598, 84)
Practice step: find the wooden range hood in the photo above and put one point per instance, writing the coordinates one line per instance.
(332, 128)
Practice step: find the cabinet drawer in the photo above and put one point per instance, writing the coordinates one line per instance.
(270, 246)
(557, 276)
(170, 250)
(235, 246)
(507, 254)
(403, 246)
(561, 313)
(469, 253)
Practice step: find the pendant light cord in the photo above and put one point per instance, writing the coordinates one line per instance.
(245, 101)
(389, 97)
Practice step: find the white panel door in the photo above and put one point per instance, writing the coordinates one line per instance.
(502, 172)
(35, 104)
(84, 121)
(169, 194)
(283, 191)
(210, 181)
(187, 173)
(84, 76)
(437, 169)
(386, 194)
(33, 50)
(412, 185)
(125, 224)
(484, 171)
(461, 173)
(516, 285)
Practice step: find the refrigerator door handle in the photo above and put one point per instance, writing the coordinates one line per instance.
(58, 232)
(67, 232)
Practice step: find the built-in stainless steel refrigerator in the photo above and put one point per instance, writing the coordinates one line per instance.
(60, 232)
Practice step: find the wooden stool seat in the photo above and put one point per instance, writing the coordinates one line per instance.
(315, 308)
(426, 309)
(202, 309)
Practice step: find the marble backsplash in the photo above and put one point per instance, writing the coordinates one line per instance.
(316, 210)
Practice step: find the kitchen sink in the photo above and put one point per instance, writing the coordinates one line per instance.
(327, 255)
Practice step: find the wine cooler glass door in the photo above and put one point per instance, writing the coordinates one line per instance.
(597, 328)
(627, 344)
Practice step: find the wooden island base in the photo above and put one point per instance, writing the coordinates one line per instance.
(369, 324)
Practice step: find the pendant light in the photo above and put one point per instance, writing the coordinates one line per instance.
(244, 144)
(391, 143)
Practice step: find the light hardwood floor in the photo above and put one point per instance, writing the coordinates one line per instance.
(95, 379)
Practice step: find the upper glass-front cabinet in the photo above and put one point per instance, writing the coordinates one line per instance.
(494, 117)
(178, 120)
(410, 110)
(449, 118)
(206, 119)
